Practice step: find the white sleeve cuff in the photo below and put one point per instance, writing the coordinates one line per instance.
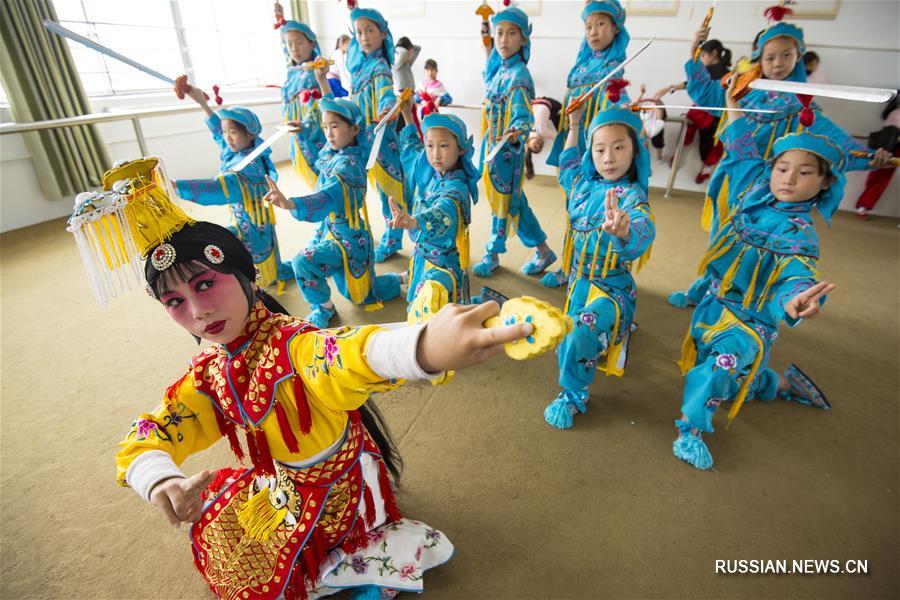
(148, 469)
(392, 353)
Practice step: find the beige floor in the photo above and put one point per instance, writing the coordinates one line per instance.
(603, 510)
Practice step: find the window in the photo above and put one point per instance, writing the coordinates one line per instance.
(226, 42)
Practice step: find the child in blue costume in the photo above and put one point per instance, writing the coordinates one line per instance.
(369, 60)
(444, 179)
(300, 96)
(602, 50)
(610, 230)
(779, 52)
(763, 269)
(507, 117)
(345, 250)
(236, 131)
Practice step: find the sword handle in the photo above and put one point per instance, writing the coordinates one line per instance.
(706, 21)
(863, 154)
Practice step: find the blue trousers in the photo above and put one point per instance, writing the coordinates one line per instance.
(722, 366)
(581, 351)
(529, 230)
(323, 259)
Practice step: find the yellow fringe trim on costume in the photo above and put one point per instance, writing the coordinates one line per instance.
(610, 360)
(721, 246)
(268, 270)
(152, 216)
(688, 353)
(259, 518)
(748, 295)
(387, 184)
(567, 248)
(732, 271)
(706, 215)
(722, 203)
(302, 167)
(357, 287)
(608, 262)
(498, 201)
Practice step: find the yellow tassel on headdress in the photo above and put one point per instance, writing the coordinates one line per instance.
(258, 517)
(115, 228)
(151, 214)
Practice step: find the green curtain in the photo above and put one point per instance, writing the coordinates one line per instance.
(41, 82)
(300, 11)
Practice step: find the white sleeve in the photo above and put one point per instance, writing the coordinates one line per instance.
(148, 469)
(392, 353)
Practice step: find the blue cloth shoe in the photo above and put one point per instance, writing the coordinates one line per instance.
(691, 448)
(539, 264)
(554, 279)
(487, 266)
(680, 300)
(384, 251)
(321, 316)
(803, 390)
(561, 412)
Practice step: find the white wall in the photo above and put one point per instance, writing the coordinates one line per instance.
(183, 141)
(860, 47)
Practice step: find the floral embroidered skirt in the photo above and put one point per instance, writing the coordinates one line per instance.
(314, 531)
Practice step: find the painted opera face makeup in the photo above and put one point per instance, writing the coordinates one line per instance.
(211, 305)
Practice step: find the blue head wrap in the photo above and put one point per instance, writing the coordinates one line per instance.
(517, 17)
(784, 30)
(351, 113)
(457, 127)
(355, 54)
(642, 156)
(828, 200)
(244, 116)
(306, 31)
(616, 50)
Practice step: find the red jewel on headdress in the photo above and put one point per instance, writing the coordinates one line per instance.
(777, 13)
(280, 22)
(614, 89)
(163, 257)
(214, 254)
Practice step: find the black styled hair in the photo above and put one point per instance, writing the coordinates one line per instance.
(341, 39)
(717, 47)
(431, 64)
(190, 244)
(810, 56)
(756, 39)
(404, 43)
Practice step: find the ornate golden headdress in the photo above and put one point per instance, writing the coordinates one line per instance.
(116, 227)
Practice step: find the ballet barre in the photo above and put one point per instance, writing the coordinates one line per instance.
(121, 115)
